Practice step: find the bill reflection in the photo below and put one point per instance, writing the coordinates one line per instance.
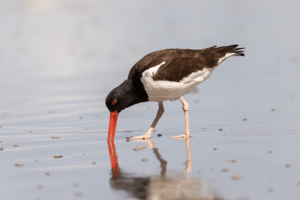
(159, 186)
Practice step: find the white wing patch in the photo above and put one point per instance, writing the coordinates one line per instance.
(170, 90)
(152, 71)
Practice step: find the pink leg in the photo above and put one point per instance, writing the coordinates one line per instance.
(185, 107)
(151, 129)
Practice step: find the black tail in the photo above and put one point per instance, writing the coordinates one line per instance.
(230, 49)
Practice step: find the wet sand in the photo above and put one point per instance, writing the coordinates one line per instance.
(53, 121)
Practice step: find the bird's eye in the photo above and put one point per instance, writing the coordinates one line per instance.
(114, 102)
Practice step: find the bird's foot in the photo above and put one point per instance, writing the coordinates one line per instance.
(141, 137)
(184, 136)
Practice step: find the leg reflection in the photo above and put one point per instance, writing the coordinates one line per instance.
(188, 166)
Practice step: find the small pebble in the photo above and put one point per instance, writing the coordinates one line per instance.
(94, 163)
(15, 145)
(237, 177)
(139, 148)
(215, 149)
(80, 117)
(83, 154)
(220, 129)
(269, 151)
(245, 119)
(19, 164)
(287, 166)
(36, 160)
(233, 161)
(144, 159)
(78, 194)
(225, 170)
(0, 141)
(159, 135)
(1, 149)
(196, 101)
(273, 110)
(55, 137)
(48, 173)
(57, 156)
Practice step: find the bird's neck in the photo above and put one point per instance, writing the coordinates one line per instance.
(134, 91)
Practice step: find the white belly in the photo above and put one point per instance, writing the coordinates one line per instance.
(169, 90)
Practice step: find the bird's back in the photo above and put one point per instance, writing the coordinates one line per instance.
(179, 63)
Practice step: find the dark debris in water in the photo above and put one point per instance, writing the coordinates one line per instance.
(159, 135)
(58, 156)
(78, 194)
(220, 129)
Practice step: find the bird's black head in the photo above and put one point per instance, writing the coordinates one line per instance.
(121, 97)
(130, 92)
(114, 101)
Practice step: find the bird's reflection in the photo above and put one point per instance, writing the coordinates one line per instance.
(173, 186)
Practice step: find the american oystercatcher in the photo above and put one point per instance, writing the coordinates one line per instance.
(165, 75)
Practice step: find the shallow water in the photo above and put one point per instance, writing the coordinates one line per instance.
(60, 59)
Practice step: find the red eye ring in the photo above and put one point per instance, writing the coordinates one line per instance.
(114, 102)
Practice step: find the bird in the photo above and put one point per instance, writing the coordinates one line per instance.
(163, 75)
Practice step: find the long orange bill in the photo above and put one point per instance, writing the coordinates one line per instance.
(112, 126)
